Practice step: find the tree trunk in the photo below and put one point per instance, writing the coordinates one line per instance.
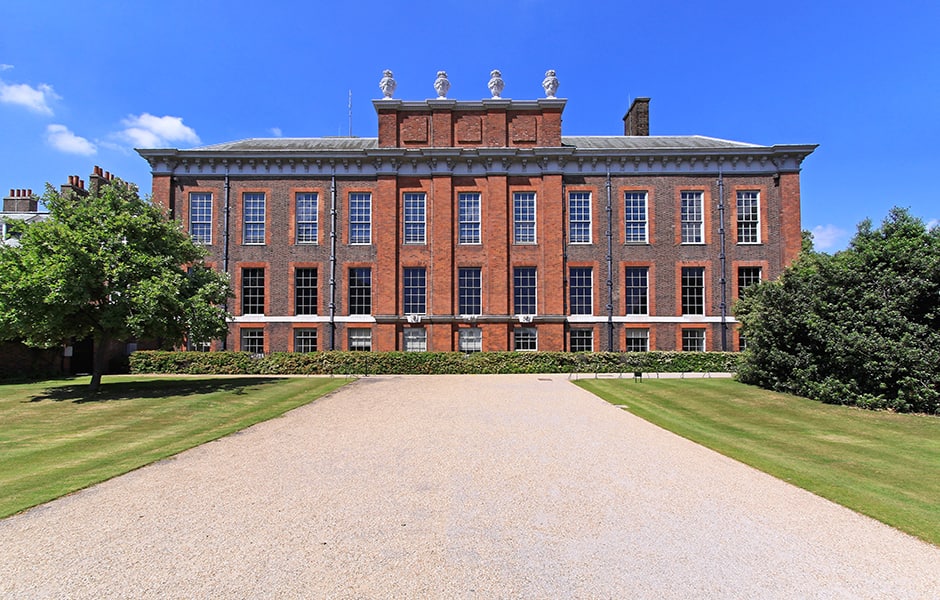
(100, 354)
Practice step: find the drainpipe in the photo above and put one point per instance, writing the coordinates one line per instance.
(721, 259)
(332, 324)
(564, 263)
(610, 271)
(225, 242)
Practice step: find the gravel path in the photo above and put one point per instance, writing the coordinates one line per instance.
(455, 487)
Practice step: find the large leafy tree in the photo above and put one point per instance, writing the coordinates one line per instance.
(859, 327)
(108, 265)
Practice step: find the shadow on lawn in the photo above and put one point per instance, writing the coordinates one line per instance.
(131, 390)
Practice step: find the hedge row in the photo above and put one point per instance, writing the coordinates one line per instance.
(374, 363)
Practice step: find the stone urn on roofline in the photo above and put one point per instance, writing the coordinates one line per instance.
(550, 83)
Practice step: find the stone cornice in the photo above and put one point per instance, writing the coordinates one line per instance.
(508, 104)
(565, 160)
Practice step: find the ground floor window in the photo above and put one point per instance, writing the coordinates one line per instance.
(742, 342)
(526, 338)
(252, 340)
(416, 339)
(582, 340)
(638, 340)
(305, 340)
(360, 339)
(470, 340)
(693, 340)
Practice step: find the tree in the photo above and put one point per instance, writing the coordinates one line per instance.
(859, 327)
(110, 265)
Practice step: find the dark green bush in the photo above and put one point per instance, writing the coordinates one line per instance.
(368, 363)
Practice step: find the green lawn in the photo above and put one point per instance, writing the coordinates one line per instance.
(55, 438)
(880, 464)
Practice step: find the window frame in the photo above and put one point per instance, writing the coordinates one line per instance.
(700, 338)
(312, 220)
(741, 268)
(254, 218)
(302, 338)
(692, 216)
(203, 222)
(414, 217)
(525, 339)
(359, 205)
(580, 295)
(630, 338)
(574, 338)
(362, 336)
(305, 292)
(524, 292)
(253, 292)
(631, 224)
(469, 291)
(248, 337)
(524, 218)
(584, 221)
(469, 218)
(414, 291)
(470, 340)
(359, 291)
(415, 339)
(693, 290)
(747, 221)
(636, 294)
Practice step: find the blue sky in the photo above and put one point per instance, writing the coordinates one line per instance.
(83, 83)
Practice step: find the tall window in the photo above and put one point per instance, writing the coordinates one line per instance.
(523, 218)
(305, 291)
(468, 230)
(415, 291)
(305, 212)
(693, 340)
(747, 276)
(254, 214)
(360, 291)
(252, 291)
(636, 228)
(252, 340)
(582, 340)
(525, 338)
(360, 218)
(360, 339)
(470, 340)
(416, 339)
(693, 224)
(200, 217)
(748, 217)
(637, 340)
(579, 217)
(693, 290)
(305, 340)
(523, 280)
(415, 218)
(637, 290)
(469, 291)
(581, 287)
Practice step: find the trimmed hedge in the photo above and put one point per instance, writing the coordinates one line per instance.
(375, 363)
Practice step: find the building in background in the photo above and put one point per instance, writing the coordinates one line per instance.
(478, 226)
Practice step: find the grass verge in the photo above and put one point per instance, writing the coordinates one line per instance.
(881, 464)
(56, 438)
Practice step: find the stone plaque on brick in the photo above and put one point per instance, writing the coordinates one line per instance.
(470, 129)
(414, 128)
(522, 128)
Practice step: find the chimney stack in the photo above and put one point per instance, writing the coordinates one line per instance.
(637, 119)
(21, 201)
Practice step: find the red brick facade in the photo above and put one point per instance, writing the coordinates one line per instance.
(546, 202)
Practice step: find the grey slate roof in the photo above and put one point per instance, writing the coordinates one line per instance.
(587, 142)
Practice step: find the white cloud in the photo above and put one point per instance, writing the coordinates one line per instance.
(5, 67)
(276, 132)
(63, 140)
(828, 236)
(36, 99)
(149, 131)
(933, 223)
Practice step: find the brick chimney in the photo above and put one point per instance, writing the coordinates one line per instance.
(21, 201)
(637, 119)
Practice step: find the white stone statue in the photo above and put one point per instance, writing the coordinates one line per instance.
(496, 84)
(441, 85)
(387, 84)
(550, 83)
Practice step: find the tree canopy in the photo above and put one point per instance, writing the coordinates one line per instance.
(858, 327)
(110, 265)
